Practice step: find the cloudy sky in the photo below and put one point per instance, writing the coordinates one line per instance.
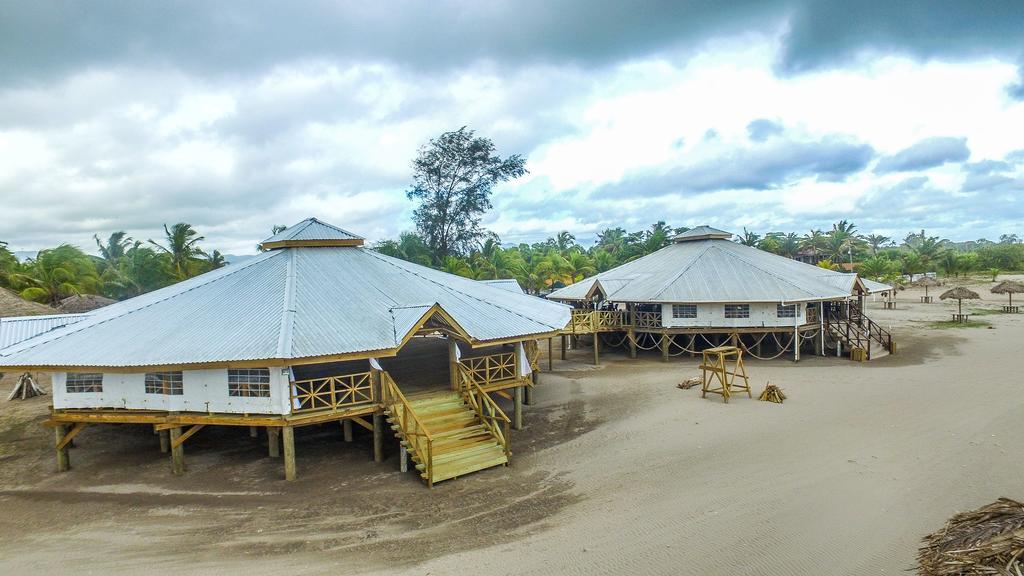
(774, 115)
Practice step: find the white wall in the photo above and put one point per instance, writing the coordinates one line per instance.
(203, 391)
(713, 316)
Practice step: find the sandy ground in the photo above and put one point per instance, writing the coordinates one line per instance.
(618, 471)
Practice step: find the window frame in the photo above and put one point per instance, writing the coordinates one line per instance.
(239, 388)
(73, 386)
(167, 383)
(682, 311)
(737, 312)
(786, 311)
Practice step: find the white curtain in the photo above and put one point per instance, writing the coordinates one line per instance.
(375, 365)
(524, 362)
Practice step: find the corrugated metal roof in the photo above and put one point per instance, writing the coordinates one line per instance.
(702, 233)
(510, 284)
(312, 229)
(874, 287)
(714, 270)
(20, 328)
(340, 300)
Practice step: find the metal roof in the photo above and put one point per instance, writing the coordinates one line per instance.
(286, 305)
(510, 284)
(875, 287)
(713, 270)
(308, 232)
(20, 328)
(702, 233)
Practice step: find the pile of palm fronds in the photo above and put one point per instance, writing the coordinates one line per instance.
(989, 540)
(689, 383)
(25, 388)
(772, 393)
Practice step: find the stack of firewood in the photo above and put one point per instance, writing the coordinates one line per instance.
(689, 383)
(25, 388)
(772, 393)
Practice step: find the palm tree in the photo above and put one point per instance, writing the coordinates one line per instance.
(789, 245)
(770, 243)
(876, 241)
(876, 267)
(457, 266)
(182, 247)
(113, 250)
(612, 240)
(929, 249)
(564, 241)
(749, 238)
(827, 264)
(814, 241)
(57, 273)
(657, 237)
(215, 260)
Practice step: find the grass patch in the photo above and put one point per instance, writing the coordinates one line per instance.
(945, 324)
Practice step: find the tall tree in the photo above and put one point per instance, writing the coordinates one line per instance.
(114, 248)
(876, 241)
(57, 273)
(452, 179)
(183, 248)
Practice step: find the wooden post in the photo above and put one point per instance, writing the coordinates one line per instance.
(274, 441)
(63, 458)
(562, 336)
(597, 349)
(632, 343)
(378, 436)
(403, 458)
(288, 438)
(517, 405)
(551, 354)
(177, 452)
(528, 393)
(254, 432)
(664, 347)
(453, 364)
(796, 343)
(165, 441)
(346, 430)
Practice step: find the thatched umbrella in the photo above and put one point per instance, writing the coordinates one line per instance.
(960, 294)
(926, 282)
(989, 540)
(1009, 287)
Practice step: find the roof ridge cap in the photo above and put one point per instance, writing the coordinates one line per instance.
(284, 338)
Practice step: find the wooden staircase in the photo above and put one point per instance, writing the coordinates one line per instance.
(444, 433)
(854, 329)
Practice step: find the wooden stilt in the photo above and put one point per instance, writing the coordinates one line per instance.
(274, 441)
(796, 344)
(288, 439)
(551, 354)
(528, 392)
(664, 347)
(254, 432)
(346, 430)
(177, 452)
(63, 458)
(517, 408)
(597, 349)
(632, 343)
(403, 459)
(378, 437)
(165, 441)
(563, 337)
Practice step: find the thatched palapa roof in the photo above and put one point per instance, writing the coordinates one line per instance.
(1008, 287)
(927, 281)
(83, 303)
(960, 293)
(13, 305)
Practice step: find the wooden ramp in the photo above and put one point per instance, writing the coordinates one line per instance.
(460, 442)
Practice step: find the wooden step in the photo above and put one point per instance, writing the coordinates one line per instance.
(463, 466)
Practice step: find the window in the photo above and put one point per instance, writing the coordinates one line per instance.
(737, 310)
(249, 383)
(684, 310)
(786, 311)
(167, 383)
(78, 382)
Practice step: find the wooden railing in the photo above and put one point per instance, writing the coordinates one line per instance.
(857, 329)
(532, 354)
(587, 321)
(582, 321)
(332, 392)
(487, 410)
(417, 438)
(644, 320)
(491, 369)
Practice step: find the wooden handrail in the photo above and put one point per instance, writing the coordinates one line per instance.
(331, 392)
(490, 414)
(392, 397)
